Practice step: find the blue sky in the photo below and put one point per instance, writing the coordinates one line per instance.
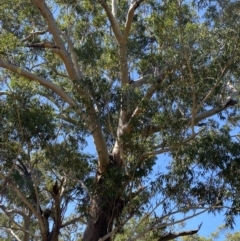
(210, 222)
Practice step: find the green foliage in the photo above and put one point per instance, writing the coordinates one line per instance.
(187, 55)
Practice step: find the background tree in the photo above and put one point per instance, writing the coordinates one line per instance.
(142, 78)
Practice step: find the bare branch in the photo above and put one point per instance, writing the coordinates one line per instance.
(167, 149)
(171, 236)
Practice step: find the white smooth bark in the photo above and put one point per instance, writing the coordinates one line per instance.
(48, 84)
(56, 33)
(113, 22)
(90, 118)
(129, 20)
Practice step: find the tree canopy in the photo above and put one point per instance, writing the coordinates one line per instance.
(139, 78)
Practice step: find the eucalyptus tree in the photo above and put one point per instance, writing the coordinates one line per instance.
(142, 78)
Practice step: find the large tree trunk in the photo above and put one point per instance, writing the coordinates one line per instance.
(97, 228)
(105, 207)
(100, 221)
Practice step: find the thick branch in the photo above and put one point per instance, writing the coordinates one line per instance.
(42, 81)
(113, 21)
(214, 111)
(164, 225)
(90, 120)
(141, 81)
(54, 30)
(47, 45)
(128, 24)
(114, 8)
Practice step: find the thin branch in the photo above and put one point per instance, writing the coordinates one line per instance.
(128, 127)
(33, 34)
(12, 211)
(27, 203)
(200, 117)
(59, 74)
(73, 221)
(147, 78)
(118, 227)
(9, 230)
(9, 212)
(163, 225)
(164, 150)
(141, 81)
(73, 53)
(3, 93)
(214, 87)
(214, 111)
(35, 186)
(146, 216)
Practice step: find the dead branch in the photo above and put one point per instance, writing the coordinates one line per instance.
(47, 45)
(171, 236)
(33, 34)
